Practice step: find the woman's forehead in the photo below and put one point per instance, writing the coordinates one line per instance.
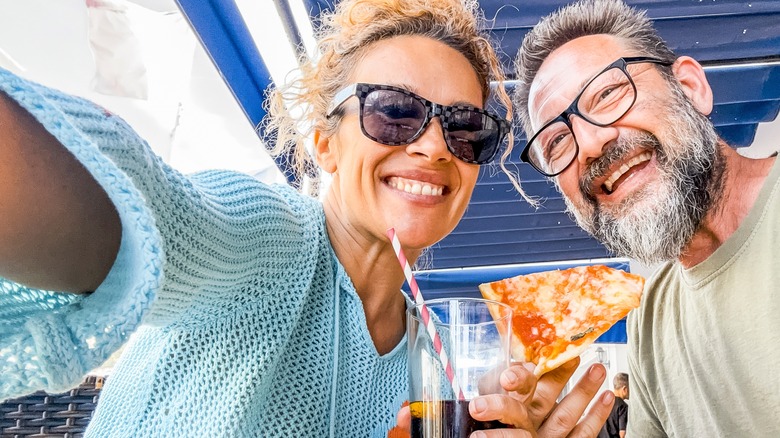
(423, 65)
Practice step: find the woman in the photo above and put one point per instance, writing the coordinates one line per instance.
(265, 312)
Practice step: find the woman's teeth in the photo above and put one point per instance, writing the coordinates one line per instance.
(625, 168)
(415, 187)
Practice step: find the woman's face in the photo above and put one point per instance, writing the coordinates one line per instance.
(420, 189)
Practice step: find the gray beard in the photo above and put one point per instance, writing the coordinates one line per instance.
(656, 223)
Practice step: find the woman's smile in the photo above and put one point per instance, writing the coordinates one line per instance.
(415, 187)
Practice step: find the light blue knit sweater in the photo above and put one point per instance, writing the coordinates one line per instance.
(251, 326)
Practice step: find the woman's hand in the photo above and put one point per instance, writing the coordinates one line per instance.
(531, 408)
(59, 229)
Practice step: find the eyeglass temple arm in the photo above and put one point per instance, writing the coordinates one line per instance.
(638, 59)
(341, 97)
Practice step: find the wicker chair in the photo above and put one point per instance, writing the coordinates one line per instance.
(42, 415)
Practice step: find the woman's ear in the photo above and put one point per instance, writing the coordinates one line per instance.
(325, 152)
(694, 83)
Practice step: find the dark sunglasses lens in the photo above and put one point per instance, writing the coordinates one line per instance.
(391, 117)
(473, 136)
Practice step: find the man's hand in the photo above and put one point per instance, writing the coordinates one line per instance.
(530, 405)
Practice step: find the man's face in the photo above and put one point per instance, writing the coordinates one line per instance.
(643, 184)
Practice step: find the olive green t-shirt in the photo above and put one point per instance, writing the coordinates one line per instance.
(704, 345)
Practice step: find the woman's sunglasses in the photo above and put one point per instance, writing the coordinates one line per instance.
(394, 117)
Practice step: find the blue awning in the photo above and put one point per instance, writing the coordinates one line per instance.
(738, 43)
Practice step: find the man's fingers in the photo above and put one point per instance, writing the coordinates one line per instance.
(503, 433)
(501, 407)
(597, 415)
(548, 388)
(570, 409)
(520, 381)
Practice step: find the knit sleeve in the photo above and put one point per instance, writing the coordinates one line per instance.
(188, 244)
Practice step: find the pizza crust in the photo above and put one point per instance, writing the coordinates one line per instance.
(573, 350)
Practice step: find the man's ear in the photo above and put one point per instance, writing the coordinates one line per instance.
(694, 83)
(324, 152)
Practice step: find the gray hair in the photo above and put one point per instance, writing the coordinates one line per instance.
(620, 381)
(586, 17)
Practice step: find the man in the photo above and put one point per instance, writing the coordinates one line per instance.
(619, 121)
(615, 427)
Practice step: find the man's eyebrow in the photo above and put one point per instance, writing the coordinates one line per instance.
(587, 80)
(579, 91)
(547, 97)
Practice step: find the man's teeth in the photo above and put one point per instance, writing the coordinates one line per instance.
(415, 187)
(624, 168)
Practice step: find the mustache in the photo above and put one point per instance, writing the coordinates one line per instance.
(614, 152)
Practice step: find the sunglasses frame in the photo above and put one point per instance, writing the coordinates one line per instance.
(362, 90)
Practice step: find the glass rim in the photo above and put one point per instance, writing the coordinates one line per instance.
(411, 312)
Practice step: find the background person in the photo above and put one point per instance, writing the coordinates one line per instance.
(615, 426)
(620, 122)
(265, 312)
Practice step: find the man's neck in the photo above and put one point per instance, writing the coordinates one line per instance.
(743, 179)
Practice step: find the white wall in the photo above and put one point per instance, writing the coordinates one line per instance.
(190, 117)
(616, 362)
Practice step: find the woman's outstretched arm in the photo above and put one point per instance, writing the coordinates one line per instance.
(58, 229)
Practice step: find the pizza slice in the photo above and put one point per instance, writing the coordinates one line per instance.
(558, 314)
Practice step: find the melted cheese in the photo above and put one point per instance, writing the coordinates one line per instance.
(558, 313)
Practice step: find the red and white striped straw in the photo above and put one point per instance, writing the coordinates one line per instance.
(424, 314)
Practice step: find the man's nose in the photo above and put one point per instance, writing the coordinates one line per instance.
(591, 139)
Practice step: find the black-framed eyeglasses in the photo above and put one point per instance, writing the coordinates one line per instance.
(606, 98)
(394, 116)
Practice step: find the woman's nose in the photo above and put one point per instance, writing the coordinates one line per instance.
(431, 143)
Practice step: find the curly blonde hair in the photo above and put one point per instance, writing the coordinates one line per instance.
(344, 34)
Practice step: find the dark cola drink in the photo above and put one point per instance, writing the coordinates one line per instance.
(446, 419)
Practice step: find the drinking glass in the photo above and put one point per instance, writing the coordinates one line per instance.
(474, 336)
